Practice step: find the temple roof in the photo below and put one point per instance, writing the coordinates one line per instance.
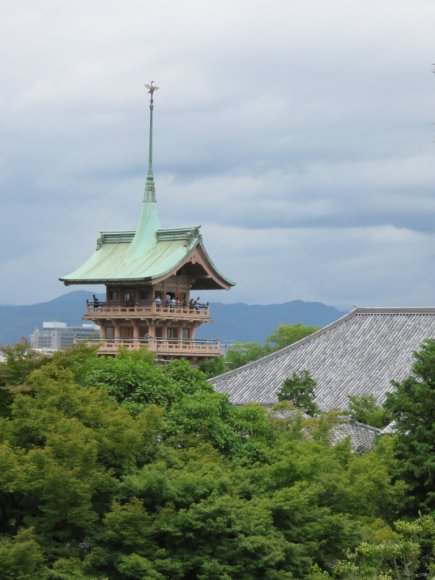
(149, 254)
(359, 354)
(118, 259)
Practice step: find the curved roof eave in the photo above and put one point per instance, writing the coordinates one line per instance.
(196, 245)
(217, 276)
(228, 283)
(100, 268)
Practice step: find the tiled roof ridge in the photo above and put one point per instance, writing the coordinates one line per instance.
(394, 310)
(126, 236)
(356, 311)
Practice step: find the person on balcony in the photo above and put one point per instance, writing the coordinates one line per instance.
(158, 302)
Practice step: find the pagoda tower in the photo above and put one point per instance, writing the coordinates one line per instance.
(152, 277)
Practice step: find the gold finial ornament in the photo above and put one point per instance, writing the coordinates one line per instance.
(151, 88)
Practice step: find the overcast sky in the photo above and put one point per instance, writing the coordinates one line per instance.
(298, 133)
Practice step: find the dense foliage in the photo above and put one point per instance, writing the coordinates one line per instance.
(365, 410)
(412, 407)
(116, 468)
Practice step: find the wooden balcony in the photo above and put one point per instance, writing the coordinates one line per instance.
(162, 347)
(146, 310)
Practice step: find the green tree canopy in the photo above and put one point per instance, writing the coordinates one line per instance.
(366, 410)
(287, 334)
(412, 407)
(115, 468)
(241, 353)
(299, 390)
(21, 360)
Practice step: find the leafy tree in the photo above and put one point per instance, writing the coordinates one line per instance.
(134, 380)
(81, 358)
(241, 353)
(299, 389)
(21, 556)
(287, 334)
(214, 367)
(412, 407)
(392, 553)
(62, 452)
(20, 361)
(366, 410)
(115, 468)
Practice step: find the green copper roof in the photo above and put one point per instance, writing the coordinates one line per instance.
(117, 260)
(145, 237)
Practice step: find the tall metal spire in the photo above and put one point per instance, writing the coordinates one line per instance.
(150, 192)
(149, 222)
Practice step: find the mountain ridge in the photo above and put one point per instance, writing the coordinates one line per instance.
(236, 322)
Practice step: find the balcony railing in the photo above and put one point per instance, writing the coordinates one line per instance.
(162, 346)
(146, 310)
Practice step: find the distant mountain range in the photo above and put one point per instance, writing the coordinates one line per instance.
(232, 322)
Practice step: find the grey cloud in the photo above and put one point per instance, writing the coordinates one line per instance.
(296, 133)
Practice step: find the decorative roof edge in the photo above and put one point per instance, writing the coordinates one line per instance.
(227, 281)
(122, 237)
(90, 281)
(176, 234)
(198, 245)
(163, 234)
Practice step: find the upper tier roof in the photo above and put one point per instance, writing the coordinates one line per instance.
(359, 354)
(150, 254)
(118, 260)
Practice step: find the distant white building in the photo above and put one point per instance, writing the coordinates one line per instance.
(55, 335)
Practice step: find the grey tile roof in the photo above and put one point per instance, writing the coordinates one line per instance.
(362, 437)
(359, 354)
